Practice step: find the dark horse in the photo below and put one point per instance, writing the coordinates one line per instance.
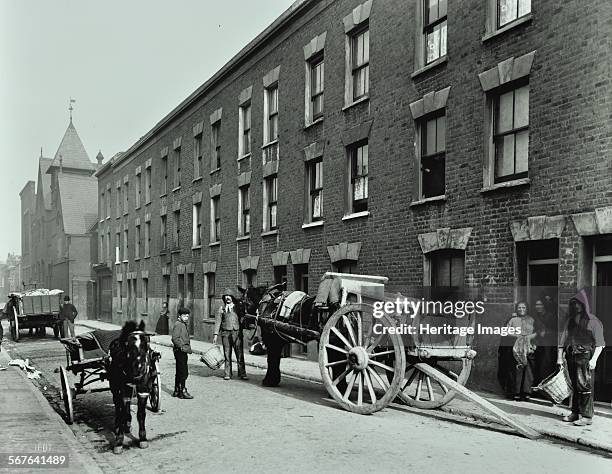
(262, 301)
(132, 370)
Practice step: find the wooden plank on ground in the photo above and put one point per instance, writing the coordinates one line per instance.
(478, 400)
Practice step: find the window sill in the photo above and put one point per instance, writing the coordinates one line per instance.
(215, 170)
(420, 202)
(356, 215)
(507, 184)
(108, 218)
(510, 26)
(117, 263)
(196, 247)
(313, 123)
(176, 189)
(137, 207)
(430, 66)
(147, 203)
(163, 251)
(119, 311)
(310, 225)
(126, 261)
(144, 314)
(147, 256)
(175, 251)
(269, 232)
(356, 102)
(214, 244)
(244, 157)
(163, 195)
(125, 213)
(273, 142)
(243, 237)
(199, 178)
(118, 217)
(137, 259)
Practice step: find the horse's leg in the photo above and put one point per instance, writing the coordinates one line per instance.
(274, 346)
(141, 416)
(127, 416)
(118, 402)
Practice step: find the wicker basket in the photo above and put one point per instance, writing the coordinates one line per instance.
(557, 386)
(213, 357)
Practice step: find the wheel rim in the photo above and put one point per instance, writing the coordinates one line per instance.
(66, 395)
(155, 394)
(352, 360)
(15, 326)
(420, 390)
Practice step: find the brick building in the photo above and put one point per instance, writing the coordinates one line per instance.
(57, 213)
(466, 143)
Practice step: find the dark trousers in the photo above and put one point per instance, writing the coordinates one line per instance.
(582, 382)
(182, 371)
(233, 340)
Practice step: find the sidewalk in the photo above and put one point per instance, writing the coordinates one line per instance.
(29, 425)
(539, 415)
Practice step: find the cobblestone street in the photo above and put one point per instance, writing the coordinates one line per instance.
(236, 426)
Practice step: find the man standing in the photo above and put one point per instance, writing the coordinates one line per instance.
(229, 323)
(67, 315)
(181, 346)
(582, 342)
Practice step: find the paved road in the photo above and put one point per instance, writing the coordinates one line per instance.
(237, 426)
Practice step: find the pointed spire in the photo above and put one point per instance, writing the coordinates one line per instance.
(72, 152)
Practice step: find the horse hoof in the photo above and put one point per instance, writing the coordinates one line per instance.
(117, 449)
(143, 444)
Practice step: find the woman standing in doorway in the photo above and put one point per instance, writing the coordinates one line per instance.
(516, 371)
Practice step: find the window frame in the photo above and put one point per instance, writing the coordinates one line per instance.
(164, 175)
(197, 156)
(352, 154)
(215, 220)
(147, 247)
(318, 60)
(215, 146)
(176, 235)
(244, 132)
(312, 190)
(495, 108)
(429, 28)
(353, 37)
(197, 224)
(137, 241)
(148, 185)
(164, 232)
(244, 212)
(271, 115)
(422, 155)
(499, 25)
(270, 202)
(176, 184)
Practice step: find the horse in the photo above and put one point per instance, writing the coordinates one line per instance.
(131, 369)
(261, 300)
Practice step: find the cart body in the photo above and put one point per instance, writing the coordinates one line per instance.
(33, 309)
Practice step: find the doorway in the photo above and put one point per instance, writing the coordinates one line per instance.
(602, 277)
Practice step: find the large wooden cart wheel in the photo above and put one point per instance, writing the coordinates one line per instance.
(15, 326)
(155, 395)
(422, 391)
(66, 396)
(352, 359)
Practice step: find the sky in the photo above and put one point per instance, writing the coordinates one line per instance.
(127, 63)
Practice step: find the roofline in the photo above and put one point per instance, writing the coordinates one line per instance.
(282, 20)
(30, 182)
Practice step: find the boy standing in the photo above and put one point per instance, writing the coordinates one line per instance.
(182, 347)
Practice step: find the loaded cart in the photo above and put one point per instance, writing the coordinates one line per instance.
(33, 309)
(87, 356)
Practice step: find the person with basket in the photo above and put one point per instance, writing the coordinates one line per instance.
(181, 347)
(581, 342)
(228, 322)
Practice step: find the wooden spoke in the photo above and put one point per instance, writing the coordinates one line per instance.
(349, 328)
(341, 377)
(429, 388)
(382, 366)
(378, 378)
(378, 354)
(419, 386)
(442, 386)
(368, 382)
(360, 389)
(409, 380)
(338, 362)
(341, 337)
(336, 348)
(359, 329)
(350, 385)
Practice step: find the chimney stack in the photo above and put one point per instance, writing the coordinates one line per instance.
(100, 158)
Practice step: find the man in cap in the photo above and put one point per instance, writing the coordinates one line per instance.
(228, 322)
(181, 347)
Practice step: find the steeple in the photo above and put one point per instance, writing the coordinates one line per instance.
(72, 153)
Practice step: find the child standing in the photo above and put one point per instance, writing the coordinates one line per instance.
(182, 347)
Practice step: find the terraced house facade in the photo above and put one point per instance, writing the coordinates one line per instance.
(460, 143)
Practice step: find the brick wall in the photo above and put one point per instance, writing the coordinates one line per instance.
(569, 154)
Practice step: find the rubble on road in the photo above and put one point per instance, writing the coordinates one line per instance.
(30, 370)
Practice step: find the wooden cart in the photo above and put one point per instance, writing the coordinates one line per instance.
(87, 356)
(365, 365)
(34, 309)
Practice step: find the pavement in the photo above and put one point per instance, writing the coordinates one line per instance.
(29, 425)
(540, 415)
